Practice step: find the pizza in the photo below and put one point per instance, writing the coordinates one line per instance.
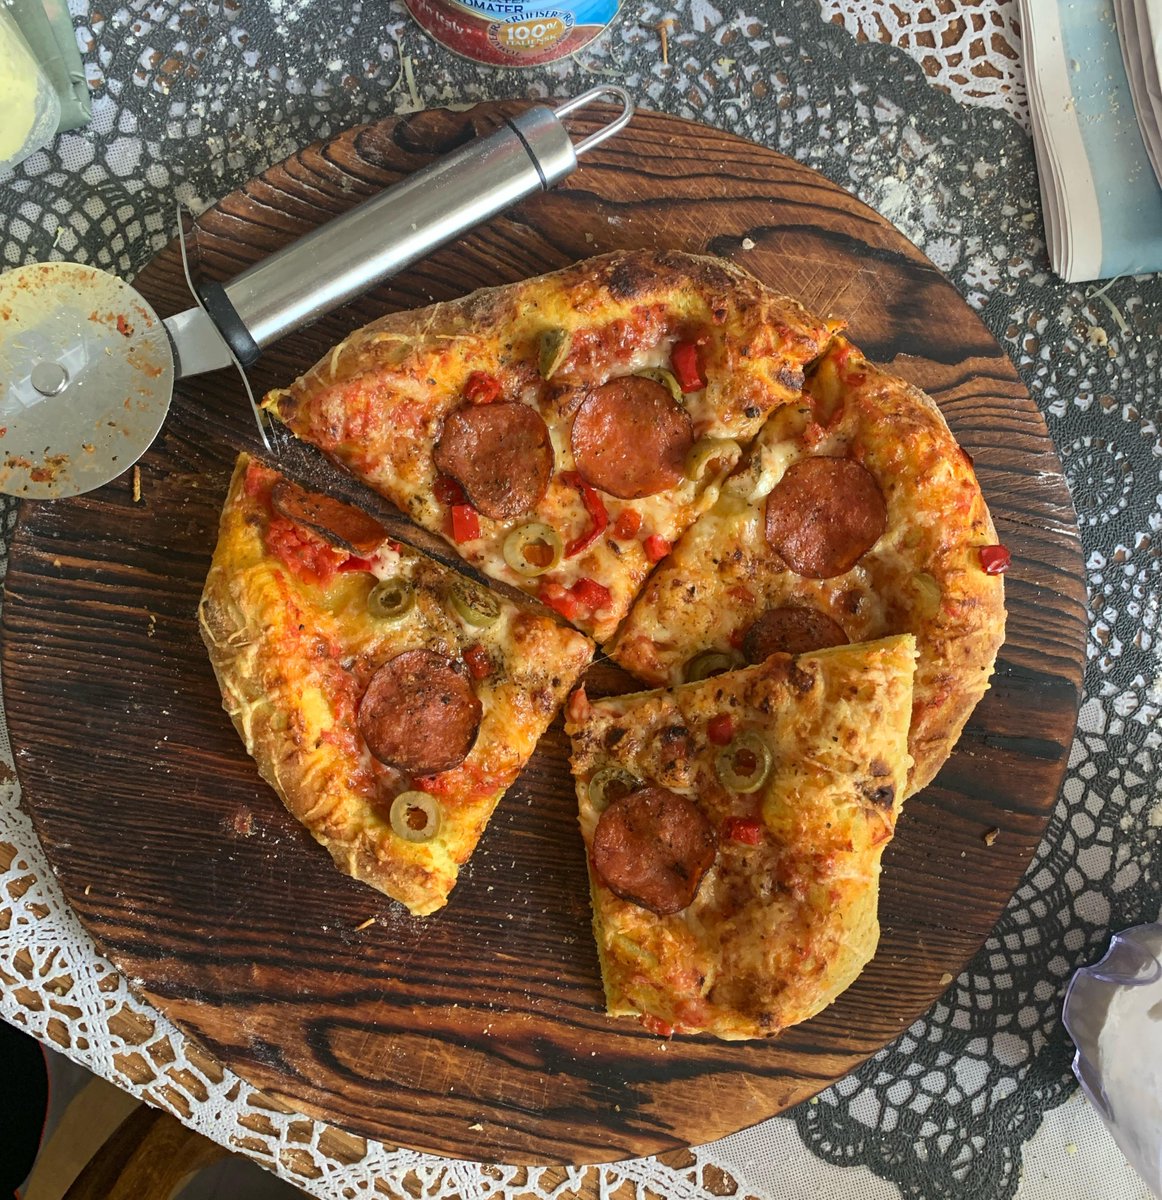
(387, 700)
(781, 539)
(562, 432)
(734, 829)
(855, 516)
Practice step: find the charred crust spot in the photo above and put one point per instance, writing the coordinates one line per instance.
(631, 277)
(719, 315)
(802, 681)
(752, 411)
(881, 795)
(613, 736)
(791, 378)
(674, 735)
(879, 768)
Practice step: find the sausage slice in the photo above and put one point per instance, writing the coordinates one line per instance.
(419, 713)
(652, 848)
(630, 438)
(791, 629)
(340, 524)
(823, 515)
(500, 454)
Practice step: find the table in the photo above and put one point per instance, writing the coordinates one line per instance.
(923, 116)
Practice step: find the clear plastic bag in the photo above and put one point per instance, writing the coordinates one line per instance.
(1113, 1013)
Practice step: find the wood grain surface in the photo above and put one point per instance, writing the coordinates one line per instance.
(480, 1032)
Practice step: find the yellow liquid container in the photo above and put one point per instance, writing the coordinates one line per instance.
(29, 108)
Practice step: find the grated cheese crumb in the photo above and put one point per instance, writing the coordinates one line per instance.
(370, 921)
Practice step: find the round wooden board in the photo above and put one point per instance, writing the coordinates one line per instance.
(480, 1032)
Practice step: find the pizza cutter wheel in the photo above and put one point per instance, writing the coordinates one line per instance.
(87, 367)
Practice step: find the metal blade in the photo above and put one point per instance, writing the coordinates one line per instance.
(86, 376)
(197, 345)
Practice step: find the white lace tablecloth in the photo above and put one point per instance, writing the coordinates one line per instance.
(919, 107)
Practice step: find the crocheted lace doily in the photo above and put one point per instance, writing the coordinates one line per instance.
(972, 49)
(190, 100)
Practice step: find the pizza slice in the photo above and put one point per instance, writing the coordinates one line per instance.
(734, 829)
(854, 516)
(387, 700)
(562, 432)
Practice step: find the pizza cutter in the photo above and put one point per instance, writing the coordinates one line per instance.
(87, 367)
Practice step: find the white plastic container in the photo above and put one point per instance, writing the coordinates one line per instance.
(29, 108)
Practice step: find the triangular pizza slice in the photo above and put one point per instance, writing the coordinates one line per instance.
(734, 829)
(388, 700)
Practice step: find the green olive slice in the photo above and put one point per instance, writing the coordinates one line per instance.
(474, 605)
(665, 377)
(708, 450)
(743, 766)
(610, 783)
(391, 599)
(552, 350)
(533, 548)
(415, 816)
(711, 662)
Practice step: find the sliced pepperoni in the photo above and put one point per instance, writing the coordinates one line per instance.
(823, 514)
(791, 630)
(631, 437)
(500, 454)
(652, 848)
(419, 713)
(340, 524)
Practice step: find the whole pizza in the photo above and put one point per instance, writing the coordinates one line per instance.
(782, 543)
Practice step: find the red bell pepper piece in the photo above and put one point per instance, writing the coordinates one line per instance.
(595, 596)
(629, 521)
(477, 660)
(586, 593)
(465, 523)
(482, 388)
(995, 560)
(656, 547)
(652, 1024)
(594, 506)
(561, 599)
(748, 830)
(686, 367)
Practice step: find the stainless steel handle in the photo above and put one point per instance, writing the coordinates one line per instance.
(390, 231)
